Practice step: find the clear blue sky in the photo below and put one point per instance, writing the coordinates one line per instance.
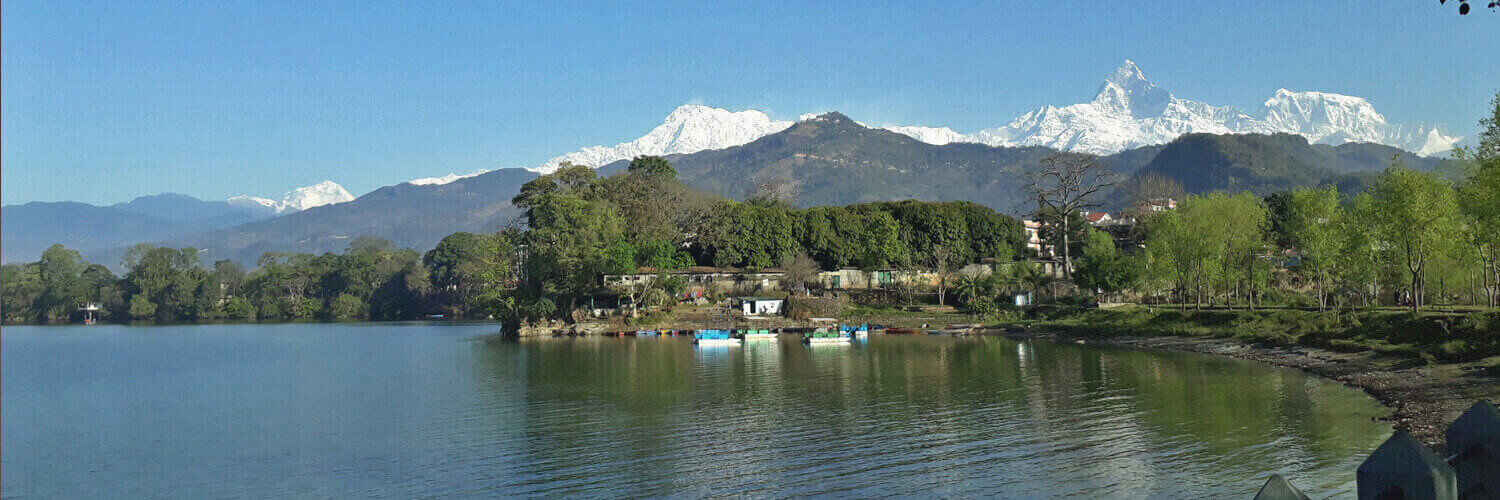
(106, 101)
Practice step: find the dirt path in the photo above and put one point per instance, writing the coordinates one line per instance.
(1423, 398)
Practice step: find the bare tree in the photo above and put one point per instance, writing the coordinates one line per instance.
(1065, 183)
(798, 270)
(942, 260)
(1149, 187)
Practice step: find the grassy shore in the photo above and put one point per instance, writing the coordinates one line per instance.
(1429, 336)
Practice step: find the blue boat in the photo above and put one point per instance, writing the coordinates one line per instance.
(716, 337)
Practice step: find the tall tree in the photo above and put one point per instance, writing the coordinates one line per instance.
(1066, 183)
(1417, 217)
(1312, 226)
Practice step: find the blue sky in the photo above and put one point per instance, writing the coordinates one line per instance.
(102, 102)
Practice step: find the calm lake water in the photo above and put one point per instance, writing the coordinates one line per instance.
(426, 409)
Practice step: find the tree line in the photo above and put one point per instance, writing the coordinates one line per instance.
(577, 226)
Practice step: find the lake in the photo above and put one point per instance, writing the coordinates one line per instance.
(449, 409)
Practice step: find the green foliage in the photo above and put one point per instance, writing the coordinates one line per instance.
(142, 308)
(651, 165)
(347, 306)
(239, 308)
(1102, 267)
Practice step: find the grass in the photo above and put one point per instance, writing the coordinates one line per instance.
(1446, 336)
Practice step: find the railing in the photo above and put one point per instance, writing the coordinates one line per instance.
(1402, 468)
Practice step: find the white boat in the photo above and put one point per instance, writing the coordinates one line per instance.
(718, 342)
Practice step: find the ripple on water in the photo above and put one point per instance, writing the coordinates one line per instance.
(415, 410)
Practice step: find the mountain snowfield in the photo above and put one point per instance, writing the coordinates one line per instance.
(302, 198)
(1127, 112)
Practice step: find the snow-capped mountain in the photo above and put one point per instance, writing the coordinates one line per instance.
(689, 129)
(1130, 111)
(302, 198)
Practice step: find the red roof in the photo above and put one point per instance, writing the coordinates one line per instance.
(1095, 216)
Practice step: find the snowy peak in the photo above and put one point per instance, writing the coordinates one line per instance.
(323, 193)
(688, 129)
(1130, 111)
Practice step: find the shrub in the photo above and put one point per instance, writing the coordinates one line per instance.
(347, 306)
(239, 308)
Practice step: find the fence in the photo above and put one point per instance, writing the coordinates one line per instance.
(1403, 468)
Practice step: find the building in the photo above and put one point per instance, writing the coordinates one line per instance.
(1034, 239)
(704, 280)
(760, 306)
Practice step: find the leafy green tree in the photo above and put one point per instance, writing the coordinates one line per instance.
(1101, 267)
(141, 308)
(347, 306)
(1417, 218)
(1311, 225)
(469, 269)
(60, 272)
(239, 308)
(652, 165)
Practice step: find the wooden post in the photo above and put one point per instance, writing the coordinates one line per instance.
(1402, 468)
(1474, 442)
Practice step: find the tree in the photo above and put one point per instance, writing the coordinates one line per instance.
(1479, 203)
(1312, 227)
(468, 270)
(1417, 216)
(1148, 187)
(60, 273)
(1489, 135)
(799, 271)
(652, 165)
(1102, 268)
(1463, 5)
(1066, 183)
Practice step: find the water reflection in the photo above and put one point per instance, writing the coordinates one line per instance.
(921, 415)
(429, 410)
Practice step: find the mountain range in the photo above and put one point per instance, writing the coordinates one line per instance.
(1127, 111)
(1296, 139)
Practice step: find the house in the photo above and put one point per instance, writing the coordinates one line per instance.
(1153, 205)
(703, 280)
(760, 306)
(1034, 239)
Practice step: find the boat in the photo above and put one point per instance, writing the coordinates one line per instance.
(759, 335)
(826, 336)
(900, 331)
(855, 331)
(716, 337)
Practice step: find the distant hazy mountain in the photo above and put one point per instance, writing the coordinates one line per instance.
(28, 229)
(407, 214)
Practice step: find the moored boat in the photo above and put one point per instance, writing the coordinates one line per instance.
(716, 337)
(759, 335)
(900, 331)
(826, 336)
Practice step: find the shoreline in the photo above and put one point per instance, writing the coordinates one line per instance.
(1423, 398)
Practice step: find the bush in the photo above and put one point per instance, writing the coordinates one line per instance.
(347, 306)
(270, 310)
(142, 308)
(239, 308)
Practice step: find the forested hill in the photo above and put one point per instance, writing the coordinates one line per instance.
(409, 215)
(1263, 164)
